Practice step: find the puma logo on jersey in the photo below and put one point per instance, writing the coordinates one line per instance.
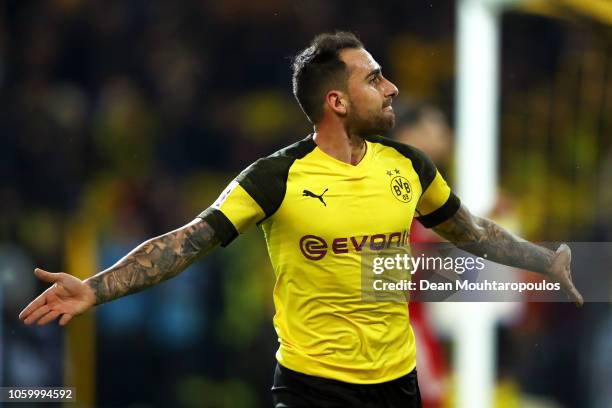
(308, 193)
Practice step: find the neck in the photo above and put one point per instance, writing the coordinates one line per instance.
(340, 144)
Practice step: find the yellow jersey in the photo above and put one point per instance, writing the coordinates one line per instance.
(318, 215)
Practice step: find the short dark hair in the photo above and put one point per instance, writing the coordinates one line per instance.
(318, 68)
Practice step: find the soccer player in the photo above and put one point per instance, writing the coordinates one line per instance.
(320, 203)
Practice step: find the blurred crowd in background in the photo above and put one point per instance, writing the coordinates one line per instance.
(127, 118)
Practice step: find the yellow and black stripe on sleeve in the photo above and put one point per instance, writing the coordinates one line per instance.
(437, 203)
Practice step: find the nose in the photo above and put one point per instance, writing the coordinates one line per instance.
(391, 90)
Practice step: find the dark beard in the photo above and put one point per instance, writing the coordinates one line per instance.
(378, 125)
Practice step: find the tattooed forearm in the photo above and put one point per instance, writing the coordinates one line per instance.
(154, 261)
(485, 238)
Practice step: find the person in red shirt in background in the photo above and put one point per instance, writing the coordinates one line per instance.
(425, 127)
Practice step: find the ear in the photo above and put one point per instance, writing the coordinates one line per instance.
(337, 102)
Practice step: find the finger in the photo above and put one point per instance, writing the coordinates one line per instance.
(35, 304)
(49, 317)
(47, 276)
(576, 296)
(572, 292)
(37, 314)
(65, 319)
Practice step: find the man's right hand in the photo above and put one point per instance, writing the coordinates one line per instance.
(68, 297)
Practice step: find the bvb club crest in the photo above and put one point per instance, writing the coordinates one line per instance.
(400, 188)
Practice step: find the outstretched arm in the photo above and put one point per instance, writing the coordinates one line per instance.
(150, 263)
(153, 261)
(483, 237)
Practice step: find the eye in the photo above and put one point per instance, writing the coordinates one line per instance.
(375, 79)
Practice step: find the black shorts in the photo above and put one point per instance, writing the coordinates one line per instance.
(296, 390)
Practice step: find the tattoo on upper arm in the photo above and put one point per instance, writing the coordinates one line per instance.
(154, 261)
(461, 228)
(483, 237)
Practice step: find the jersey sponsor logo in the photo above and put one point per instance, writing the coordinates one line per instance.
(308, 193)
(315, 248)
